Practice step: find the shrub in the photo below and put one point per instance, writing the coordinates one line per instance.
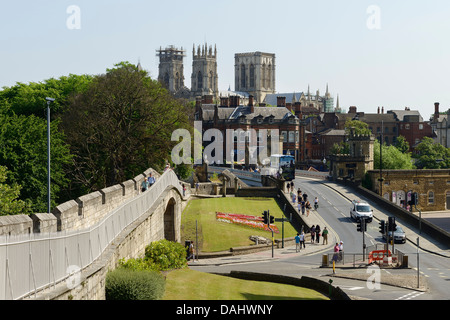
(127, 284)
(166, 255)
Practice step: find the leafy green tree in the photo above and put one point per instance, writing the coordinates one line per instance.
(432, 155)
(392, 158)
(340, 148)
(121, 125)
(23, 149)
(28, 99)
(402, 145)
(10, 203)
(358, 127)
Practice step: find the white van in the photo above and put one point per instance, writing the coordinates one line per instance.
(361, 209)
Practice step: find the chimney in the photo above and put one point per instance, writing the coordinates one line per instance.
(224, 101)
(378, 110)
(382, 110)
(436, 111)
(250, 103)
(234, 101)
(289, 106)
(281, 101)
(297, 106)
(352, 109)
(208, 99)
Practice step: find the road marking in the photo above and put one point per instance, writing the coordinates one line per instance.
(351, 288)
(410, 295)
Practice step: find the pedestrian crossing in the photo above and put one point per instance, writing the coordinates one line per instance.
(411, 295)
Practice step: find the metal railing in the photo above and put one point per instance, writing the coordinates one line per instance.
(32, 262)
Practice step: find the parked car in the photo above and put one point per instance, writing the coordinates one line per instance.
(399, 235)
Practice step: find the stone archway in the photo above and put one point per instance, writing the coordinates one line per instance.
(169, 221)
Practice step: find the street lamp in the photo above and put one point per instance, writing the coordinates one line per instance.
(49, 100)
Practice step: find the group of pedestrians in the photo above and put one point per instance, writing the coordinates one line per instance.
(147, 183)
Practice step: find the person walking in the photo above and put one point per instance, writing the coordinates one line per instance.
(318, 234)
(302, 240)
(303, 205)
(325, 235)
(297, 242)
(313, 233)
(308, 207)
(316, 203)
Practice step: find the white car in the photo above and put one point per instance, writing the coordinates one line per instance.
(360, 210)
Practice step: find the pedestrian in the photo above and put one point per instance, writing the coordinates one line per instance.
(151, 180)
(297, 242)
(288, 187)
(302, 240)
(325, 235)
(341, 249)
(308, 207)
(299, 207)
(316, 203)
(184, 190)
(313, 233)
(292, 186)
(336, 252)
(191, 250)
(303, 207)
(317, 234)
(196, 187)
(299, 193)
(144, 185)
(305, 196)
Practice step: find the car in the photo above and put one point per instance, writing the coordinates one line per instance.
(399, 235)
(361, 209)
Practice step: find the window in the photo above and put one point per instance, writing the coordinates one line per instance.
(243, 84)
(199, 81)
(407, 126)
(420, 126)
(431, 197)
(252, 76)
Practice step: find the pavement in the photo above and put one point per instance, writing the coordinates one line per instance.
(426, 244)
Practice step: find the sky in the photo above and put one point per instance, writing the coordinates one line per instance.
(394, 54)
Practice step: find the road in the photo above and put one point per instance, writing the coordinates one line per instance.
(334, 208)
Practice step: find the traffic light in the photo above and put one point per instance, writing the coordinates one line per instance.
(382, 226)
(391, 224)
(265, 217)
(272, 219)
(415, 198)
(359, 225)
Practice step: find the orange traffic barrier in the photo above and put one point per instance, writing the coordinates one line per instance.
(378, 255)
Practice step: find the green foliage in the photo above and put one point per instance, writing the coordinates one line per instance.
(432, 155)
(341, 148)
(121, 125)
(166, 255)
(23, 149)
(126, 284)
(402, 145)
(392, 158)
(358, 127)
(9, 202)
(28, 99)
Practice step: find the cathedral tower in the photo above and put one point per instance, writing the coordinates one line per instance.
(171, 73)
(255, 74)
(204, 80)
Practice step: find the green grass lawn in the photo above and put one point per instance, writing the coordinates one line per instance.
(187, 284)
(219, 236)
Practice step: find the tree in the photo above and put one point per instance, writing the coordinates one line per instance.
(23, 149)
(392, 158)
(402, 145)
(358, 127)
(10, 203)
(432, 155)
(121, 125)
(29, 99)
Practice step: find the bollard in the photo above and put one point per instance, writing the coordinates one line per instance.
(325, 260)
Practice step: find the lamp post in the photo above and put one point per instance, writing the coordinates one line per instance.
(49, 100)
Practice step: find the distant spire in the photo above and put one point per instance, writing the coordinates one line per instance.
(338, 109)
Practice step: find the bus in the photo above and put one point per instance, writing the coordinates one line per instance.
(282, 166)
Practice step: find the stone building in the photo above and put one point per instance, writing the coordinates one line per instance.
(171, 69)
(359, 160)
(432, 186)
(204, 79)
(255, 74)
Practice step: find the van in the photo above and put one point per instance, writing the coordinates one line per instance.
(361, 209)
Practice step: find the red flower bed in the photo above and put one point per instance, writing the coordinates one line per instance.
(246, 220)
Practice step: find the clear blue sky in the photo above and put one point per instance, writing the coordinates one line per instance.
(404, 63)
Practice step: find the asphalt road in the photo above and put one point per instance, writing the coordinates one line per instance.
(334, 209)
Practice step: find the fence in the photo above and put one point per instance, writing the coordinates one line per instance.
(30, 263)
(373, 254)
